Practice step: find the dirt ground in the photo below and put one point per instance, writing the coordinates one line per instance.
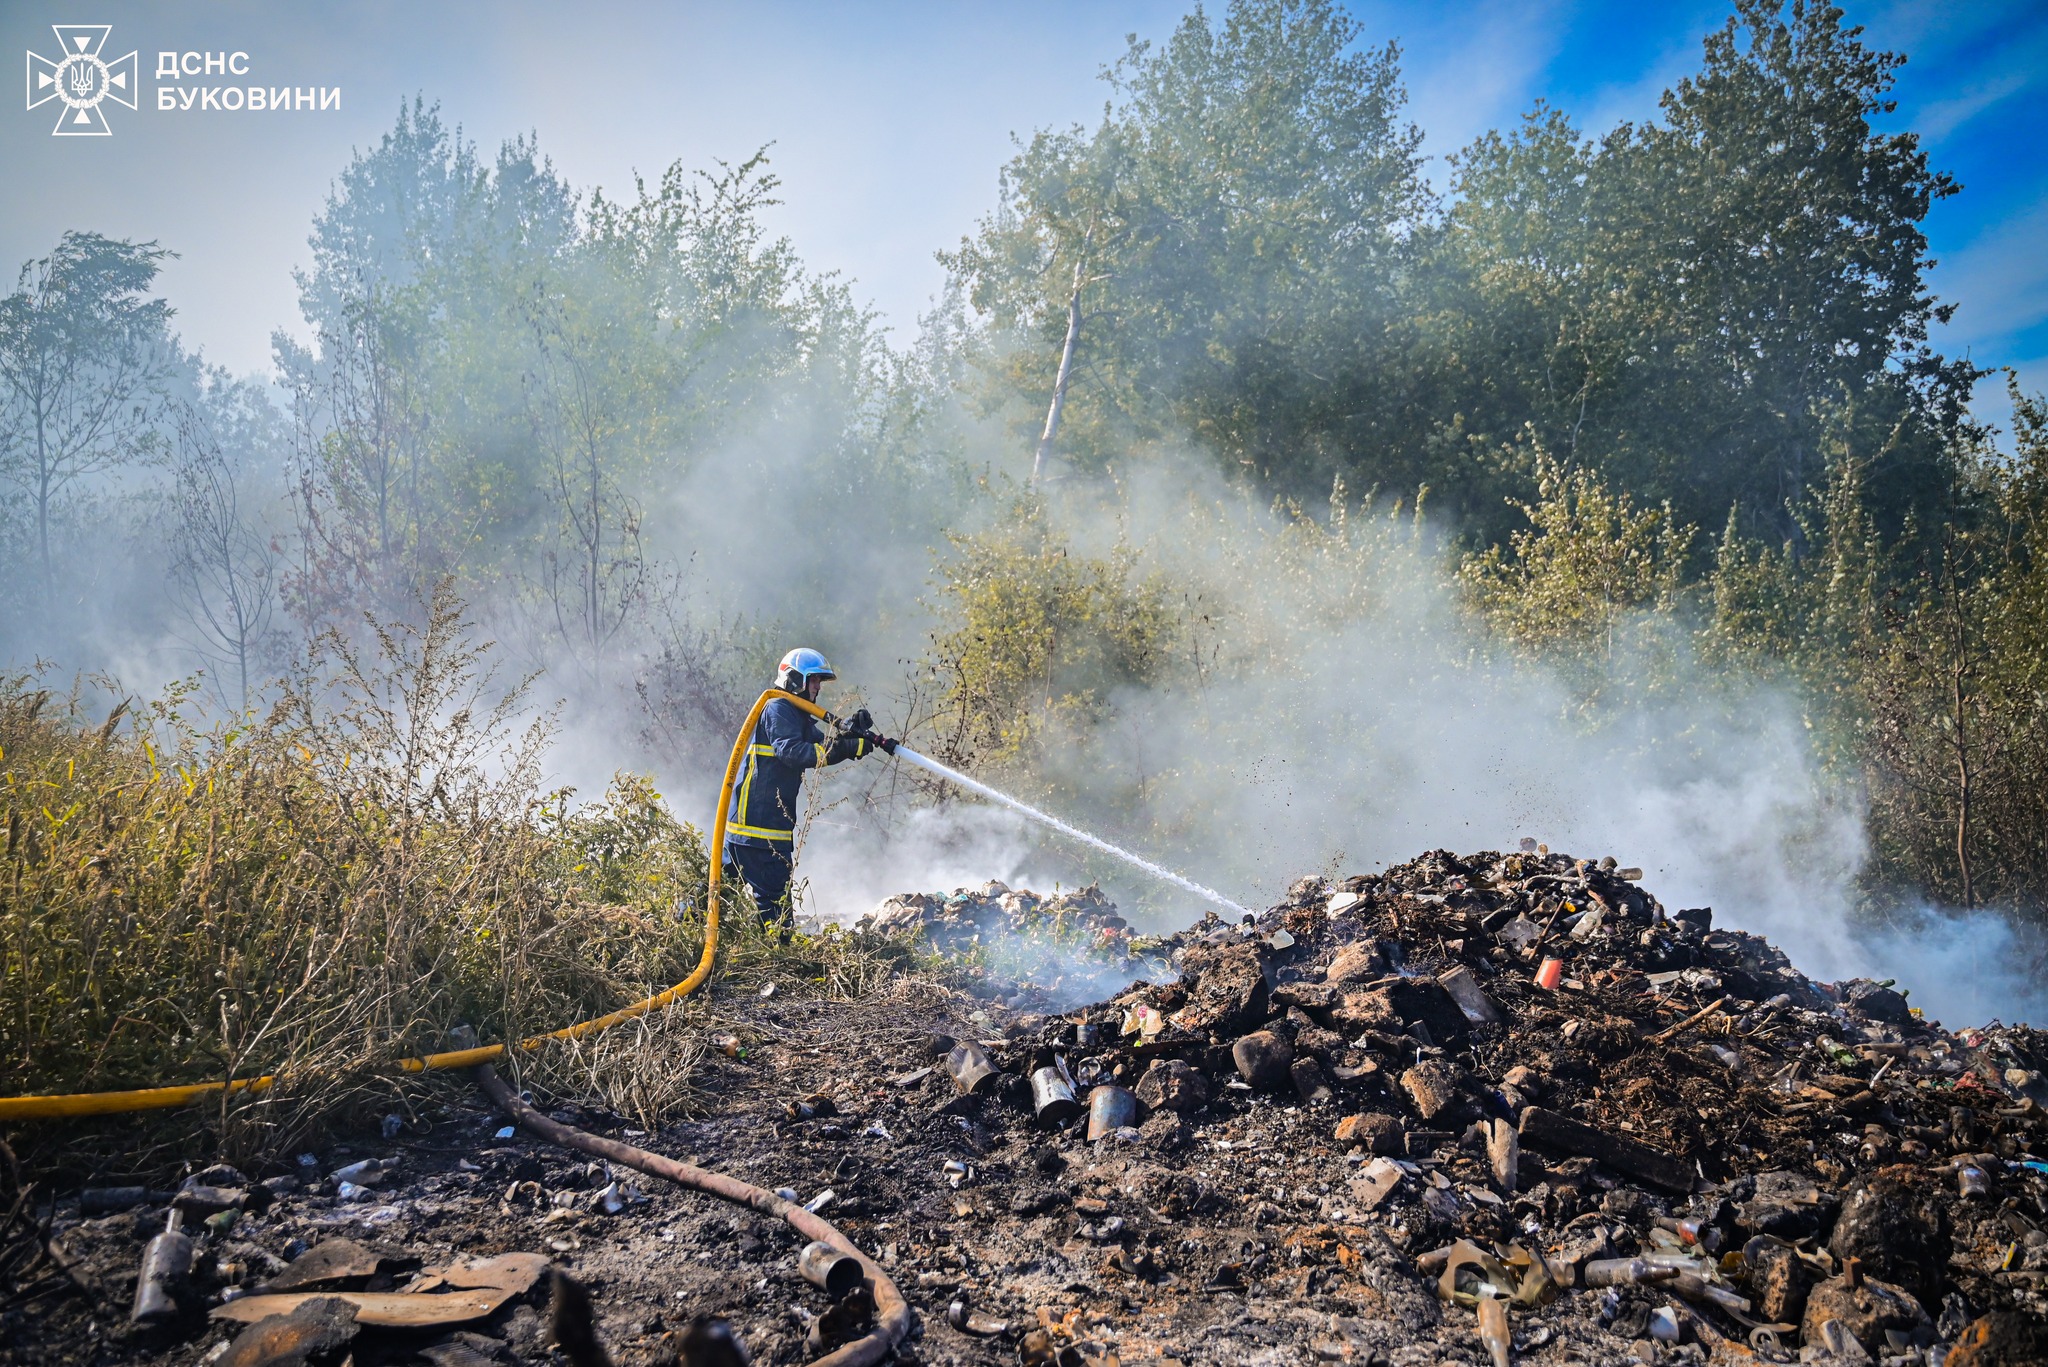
(1241, 1215)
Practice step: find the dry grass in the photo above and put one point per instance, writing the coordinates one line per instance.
(331, 887)
(646, 1068)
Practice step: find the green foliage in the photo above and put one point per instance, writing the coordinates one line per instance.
(1702, 304)
(634, 853)
(1589, 562)
(505, 379)
(326, 889)
(1236, 223)
(1597, 342)
(1958, 698)
(85, 358)
(1040, 640)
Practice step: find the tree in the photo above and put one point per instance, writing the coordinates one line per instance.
(1242, 205)
(1958, 695)
(405, 468)
(590, 409)
(1589, 573)
(1039, 639)
(85, 356)
(1705, 303)
(224, 565)
(366, 500)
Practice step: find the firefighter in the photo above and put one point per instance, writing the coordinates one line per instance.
(760, 825)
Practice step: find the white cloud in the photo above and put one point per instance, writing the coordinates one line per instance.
(1999, 280)
(1935, 121)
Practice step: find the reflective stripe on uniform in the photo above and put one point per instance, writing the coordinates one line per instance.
(821, 756)
(740, 827)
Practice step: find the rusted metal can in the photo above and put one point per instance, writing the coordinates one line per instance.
(972, 1072)
(1088, 1035)
(1052, 1100)
(1110, 1109)
(833, 1271)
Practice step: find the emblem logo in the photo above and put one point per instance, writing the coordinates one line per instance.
(81, 79)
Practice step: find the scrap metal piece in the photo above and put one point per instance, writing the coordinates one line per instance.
(318, 1325)
(447, 1295)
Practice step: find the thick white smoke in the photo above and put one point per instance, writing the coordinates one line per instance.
(1361, 716)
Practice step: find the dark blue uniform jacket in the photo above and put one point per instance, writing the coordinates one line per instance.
(786, 742)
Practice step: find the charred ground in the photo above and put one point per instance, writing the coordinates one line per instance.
(1358, 1119)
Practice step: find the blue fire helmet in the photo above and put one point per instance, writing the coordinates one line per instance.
(801, 666)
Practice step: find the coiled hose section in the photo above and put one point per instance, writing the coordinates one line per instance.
(161, 1098)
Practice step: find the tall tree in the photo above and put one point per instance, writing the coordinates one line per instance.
(224, 562)
(85, 356)
(1242, 206)
(592, 388)
(1714, 303)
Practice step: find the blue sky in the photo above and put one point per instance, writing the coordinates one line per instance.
(890, 121)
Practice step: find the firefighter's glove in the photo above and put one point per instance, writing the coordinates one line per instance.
(886, 744)
(846, 748)
(859, 724)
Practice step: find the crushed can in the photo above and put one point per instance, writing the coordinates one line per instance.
(1110, 1109)
(1052, 1098)
(972, 1072)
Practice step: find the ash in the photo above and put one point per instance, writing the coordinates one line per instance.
(1489, 1108)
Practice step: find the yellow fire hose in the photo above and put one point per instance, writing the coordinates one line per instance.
(160, 1098)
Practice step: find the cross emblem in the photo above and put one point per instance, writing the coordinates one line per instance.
(81, 79)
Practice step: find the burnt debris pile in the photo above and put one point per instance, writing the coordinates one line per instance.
(1053, 952)
(1497, 1108)
(995, 911)
(1559, 1105)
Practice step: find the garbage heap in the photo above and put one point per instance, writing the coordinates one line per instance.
(1570, 1106)
(1054, 952)
(967, 916)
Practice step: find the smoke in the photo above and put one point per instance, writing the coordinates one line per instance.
(1355, 714)
(1337, 709)
(849, 866)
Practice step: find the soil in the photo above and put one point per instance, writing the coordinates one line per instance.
(1359, 1087)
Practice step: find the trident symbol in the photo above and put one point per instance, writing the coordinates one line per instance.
(82, 80)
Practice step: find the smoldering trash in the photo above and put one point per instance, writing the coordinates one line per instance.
(1496, 1108)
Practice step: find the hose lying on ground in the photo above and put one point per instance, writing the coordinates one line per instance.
(159, 1098)
(892, 1312)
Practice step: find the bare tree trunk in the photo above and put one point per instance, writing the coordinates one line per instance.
(1959, 671)
(1964, 776)
(1059, 384)
(43, 522)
